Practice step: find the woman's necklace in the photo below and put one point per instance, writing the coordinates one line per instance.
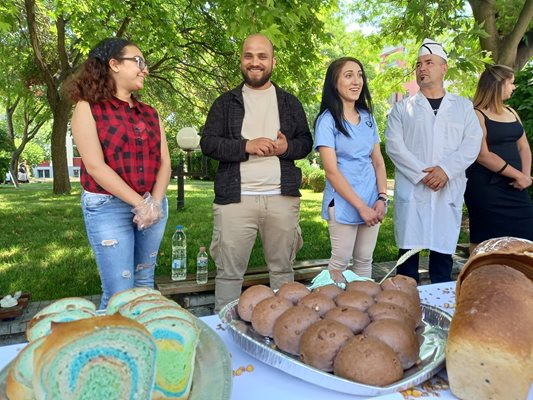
(352, 116)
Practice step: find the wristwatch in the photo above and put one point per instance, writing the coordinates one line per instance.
(385, 200)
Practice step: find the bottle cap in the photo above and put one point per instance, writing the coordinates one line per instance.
(202, 248)
(179, 227)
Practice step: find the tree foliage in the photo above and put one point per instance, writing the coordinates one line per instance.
(192, 47)
(522, 99)
(471, 31)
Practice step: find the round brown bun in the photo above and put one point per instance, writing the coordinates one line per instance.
(369, 287)
(368, 360)
(355, 299)
(404, 284)
(249, 299)
(318, 302)
(329, 290)
(293, 291)
(353, 318)
(514, 252)
(266, 312)
(382, 310)
(401, 299)
(321, 342)
(399, 337)
(290, 326)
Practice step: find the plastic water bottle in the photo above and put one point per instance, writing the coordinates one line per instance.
(179, 255)
(202, 260)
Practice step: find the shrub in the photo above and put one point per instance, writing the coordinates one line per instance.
(317, 180)
(522, 102)
(307, 169)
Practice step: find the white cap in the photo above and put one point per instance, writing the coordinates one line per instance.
(429, 46)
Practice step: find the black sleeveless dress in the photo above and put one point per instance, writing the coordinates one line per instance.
(495, 208)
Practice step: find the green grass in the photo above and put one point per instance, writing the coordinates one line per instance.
(44, 247)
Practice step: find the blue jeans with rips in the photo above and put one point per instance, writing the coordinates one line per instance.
(126, 257)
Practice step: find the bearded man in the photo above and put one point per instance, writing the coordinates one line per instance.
(256, 132)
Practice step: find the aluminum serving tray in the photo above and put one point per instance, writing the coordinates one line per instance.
(433, 332)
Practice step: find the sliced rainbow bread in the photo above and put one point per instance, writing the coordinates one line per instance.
(108, 358)
(119, 299)
(39, 327)
(67, 303)
(165, 311)
(176, 341)
(19, 385)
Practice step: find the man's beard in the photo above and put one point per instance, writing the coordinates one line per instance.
(256, 83)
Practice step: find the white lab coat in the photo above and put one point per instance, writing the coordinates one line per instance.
(416, 138)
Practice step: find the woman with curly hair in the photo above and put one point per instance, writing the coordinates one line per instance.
(125, 165)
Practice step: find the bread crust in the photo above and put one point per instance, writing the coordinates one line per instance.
(489, 354)
(513, 252)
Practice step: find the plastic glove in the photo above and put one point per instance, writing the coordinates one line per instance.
(148, 212)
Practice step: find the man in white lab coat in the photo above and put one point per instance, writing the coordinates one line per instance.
(431, 137)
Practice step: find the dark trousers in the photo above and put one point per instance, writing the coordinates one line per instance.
(440, 266)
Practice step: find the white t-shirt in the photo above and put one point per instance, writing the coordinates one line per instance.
(261, 119)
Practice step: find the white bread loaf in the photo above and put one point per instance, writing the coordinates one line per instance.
(510, 251)
(489, 354)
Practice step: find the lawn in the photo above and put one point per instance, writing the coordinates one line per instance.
(44, 247)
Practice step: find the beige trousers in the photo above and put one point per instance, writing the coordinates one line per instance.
(355, 242)
(276, 218)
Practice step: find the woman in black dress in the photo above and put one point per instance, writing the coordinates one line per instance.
(496, 196)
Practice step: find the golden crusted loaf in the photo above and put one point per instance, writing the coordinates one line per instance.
(510, 251)
(489, 354)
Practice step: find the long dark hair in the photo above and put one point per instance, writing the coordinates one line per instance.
(93, 82)
(330, 96)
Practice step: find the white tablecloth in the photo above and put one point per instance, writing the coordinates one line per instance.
(266, 383)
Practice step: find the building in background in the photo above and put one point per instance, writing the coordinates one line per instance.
(411, 87)
(45, 170)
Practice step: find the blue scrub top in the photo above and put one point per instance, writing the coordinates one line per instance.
(353, 160)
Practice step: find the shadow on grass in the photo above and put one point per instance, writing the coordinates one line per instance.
(44, 247)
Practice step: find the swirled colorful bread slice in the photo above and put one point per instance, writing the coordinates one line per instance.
(19, 385)
(108, 358)
(136, 307)
(41, 326)
(176, 341)
(165, 311)
(67, 303)
(119, 299)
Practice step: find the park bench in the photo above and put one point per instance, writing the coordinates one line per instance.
(303, 271)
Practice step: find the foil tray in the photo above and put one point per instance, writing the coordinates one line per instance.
(212, 378)
(433, 335)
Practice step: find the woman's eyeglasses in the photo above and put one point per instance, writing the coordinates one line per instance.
(141, 63)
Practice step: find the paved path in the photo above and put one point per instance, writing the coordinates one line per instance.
(12, 331)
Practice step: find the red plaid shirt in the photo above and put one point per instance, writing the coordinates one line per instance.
(131, 142)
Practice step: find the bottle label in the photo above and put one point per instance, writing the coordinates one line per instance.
(202, 262)
(177, 264)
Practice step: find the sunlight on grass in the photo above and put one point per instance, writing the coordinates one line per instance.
(44, 247)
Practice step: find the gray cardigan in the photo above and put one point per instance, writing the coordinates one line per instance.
(222, 141)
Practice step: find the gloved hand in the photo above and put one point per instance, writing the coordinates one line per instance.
(147, 212)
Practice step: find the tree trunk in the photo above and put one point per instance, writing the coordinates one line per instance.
(14, 166)
(61, 112)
